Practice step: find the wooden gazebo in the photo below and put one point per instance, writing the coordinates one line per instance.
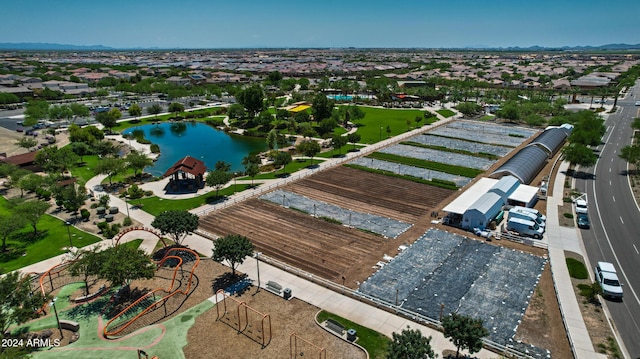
(186, 175)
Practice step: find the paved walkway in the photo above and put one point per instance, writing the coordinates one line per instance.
(561, 239)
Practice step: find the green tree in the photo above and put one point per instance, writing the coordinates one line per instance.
(176, 223)
(73, 198)
(138, 161)
(109, 166)
(56, 160)
(7, 98)
(468, 108)
(252, 99)
(176, 107)
(252, 170)
(79, 110)
(106, 148)
(81, 149)
(338, 141)
(32, 211)
(217, 179)
(282, 158)
(410, 343)
(87, 264)
(29, 182)
(9, 224)
(107, 119)
(271, 139)
(120, 265)
(27, 142)
(134, 192)
(35, 110)
(236, 111)
(631, 154)
(309, 148)
(353, 138)
(322, 107)
(135, 110)
(327, 125)
(154, 109)
(579, 154)
(222, 166)
(464, 332)
(18, 302)
(233, 249)
(274, 77)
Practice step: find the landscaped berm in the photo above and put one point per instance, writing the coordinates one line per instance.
(175, 315)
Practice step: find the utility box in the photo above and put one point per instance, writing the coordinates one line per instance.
(286, 294)
(351, 335)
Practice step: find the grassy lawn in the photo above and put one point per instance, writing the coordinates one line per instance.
(49, 243)
(375, 343)
(446, 113)
(373, 128)
(431, 165)
(294, 166)
(335, 153)
(155, 205)
(577, 269)
(84, 171)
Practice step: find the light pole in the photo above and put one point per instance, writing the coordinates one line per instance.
(126, 204)
(235, 184)
(53, 304)
(258, 268)
(380, 134)
(68, 224)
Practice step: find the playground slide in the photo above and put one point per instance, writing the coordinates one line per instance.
(148, 301)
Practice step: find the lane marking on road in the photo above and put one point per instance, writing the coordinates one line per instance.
(614, 198)
(609, 182)
(621, 220)
(636, 248)
(609, 169)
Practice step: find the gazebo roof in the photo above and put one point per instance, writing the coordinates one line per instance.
(189, 165)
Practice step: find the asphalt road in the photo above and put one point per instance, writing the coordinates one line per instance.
(615, 220)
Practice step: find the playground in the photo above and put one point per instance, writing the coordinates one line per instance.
(172, 315)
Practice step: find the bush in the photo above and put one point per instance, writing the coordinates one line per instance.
(590, 291)
(568, 215)
(155, 148)
(577, 269)
(127, 222)
(84, 213)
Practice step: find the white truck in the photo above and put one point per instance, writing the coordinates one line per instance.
(607, 277)
(530, 210)
(525, 227)
(514, 213)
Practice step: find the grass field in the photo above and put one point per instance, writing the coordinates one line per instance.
(155, 205)
(446, 113)
(373, 127)
(375, 343)
(52, 238)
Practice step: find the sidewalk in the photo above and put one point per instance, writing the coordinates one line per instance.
(561, 239)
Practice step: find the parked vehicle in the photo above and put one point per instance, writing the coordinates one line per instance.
(514, 213)
(530, 210)
(583, 221)
(525, 227)
(607, 277)
(581, 206)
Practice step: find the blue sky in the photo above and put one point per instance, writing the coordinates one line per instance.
(325, 23)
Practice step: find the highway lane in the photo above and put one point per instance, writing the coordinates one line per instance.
(615, 219)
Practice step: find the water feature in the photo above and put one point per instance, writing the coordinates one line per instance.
(198, 140)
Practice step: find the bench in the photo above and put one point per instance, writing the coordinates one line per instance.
(87, 298)
(69, 325)
(273, 287)
(334, 326)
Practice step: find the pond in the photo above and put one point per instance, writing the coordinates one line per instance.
(198, 140)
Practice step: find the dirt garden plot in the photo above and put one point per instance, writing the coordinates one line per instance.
(372, 193)
(407, 170)
(326, 249)
(384, 226)
(485, 132)
(461, 144)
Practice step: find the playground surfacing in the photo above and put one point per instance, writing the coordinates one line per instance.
(191, 331)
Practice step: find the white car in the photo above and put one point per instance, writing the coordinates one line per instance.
(581, 206)
(608, 279)
(637, 103)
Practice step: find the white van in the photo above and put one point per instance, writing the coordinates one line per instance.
(530, 210)
(514, 213)
(525, 227)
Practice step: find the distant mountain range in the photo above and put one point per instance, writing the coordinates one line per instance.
(33, 46)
